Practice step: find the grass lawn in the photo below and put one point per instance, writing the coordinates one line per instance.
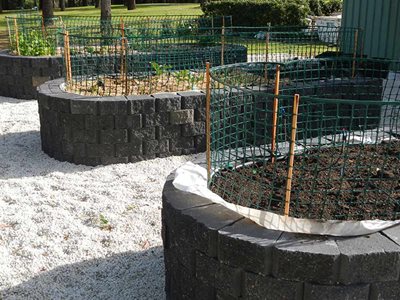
(141, 10)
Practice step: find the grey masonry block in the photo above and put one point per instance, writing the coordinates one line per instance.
(155, 146)
(193, 100)
(169, 132)
(99, 150)
(368, 259)
(141, 104)
(99, 122)
(145, 133)
(269, 288)
(128, 121)
(184, 116)
(113, 160)
(335, 292)
(84, 107)
(156, 119)
(128, 149)
(167, 102)
(84, 136)
(206, 268)
(203, 224)
(115, 136)
(228, 279)
(385, 290)
(248, 246)
(113, 106)
(197, 128)
(306, 258)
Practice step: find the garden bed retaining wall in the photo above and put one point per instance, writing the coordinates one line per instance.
(105, 130)
(21, 75)
(211, 252)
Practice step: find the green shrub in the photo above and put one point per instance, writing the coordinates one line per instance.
(325, 7)
(260, 12)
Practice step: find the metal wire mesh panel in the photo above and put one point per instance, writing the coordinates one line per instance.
(346, 152)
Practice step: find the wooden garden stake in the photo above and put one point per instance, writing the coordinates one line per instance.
(208, 121)
(16, 36)
(222, 41)
(266, 55)
(122, 54)
(67, 54)
(355, 53)
(275, 112)
(291, 153)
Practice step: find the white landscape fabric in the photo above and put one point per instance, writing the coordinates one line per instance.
(193, 179)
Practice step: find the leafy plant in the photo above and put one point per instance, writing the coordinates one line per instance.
(190, 78)
(160, 69)
(104, 223)
(34, 43)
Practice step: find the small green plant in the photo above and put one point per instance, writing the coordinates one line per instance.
(104, 223)
(33, 43)
(160, 69)
(190, 78)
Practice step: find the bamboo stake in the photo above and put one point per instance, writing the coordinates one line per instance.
(266, 55)
(223, 41)
(208, 121)
(122, 53)
(353, 73)
(291, 153)
(68, 58)
(275, 112)
(43, 28)
(16, 36)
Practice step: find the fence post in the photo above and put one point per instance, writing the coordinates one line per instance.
(67, 54)
(291, 153)
(275, 112)
(16, 36)
(222, 41)
(208, 121)
(353, 73)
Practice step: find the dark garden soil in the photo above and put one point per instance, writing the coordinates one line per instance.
(360, 183)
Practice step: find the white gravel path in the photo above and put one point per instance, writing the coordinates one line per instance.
(53, 244)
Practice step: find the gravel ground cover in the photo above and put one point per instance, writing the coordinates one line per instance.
(76, 232)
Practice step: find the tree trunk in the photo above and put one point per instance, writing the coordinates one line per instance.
(105, 10)
(84, 2)
(97, 3)
(47, 11)
(131, 4)
(1, 6)
(62, 5)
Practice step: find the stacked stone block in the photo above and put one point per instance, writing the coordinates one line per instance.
(21, 75)
(106, 130)
(214, 253)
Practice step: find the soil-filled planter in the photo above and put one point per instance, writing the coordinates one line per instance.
(105, 130)
(21, 75)
(212, 252)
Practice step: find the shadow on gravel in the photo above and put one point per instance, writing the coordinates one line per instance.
(128, 275)
(21, 155)
(13, 100)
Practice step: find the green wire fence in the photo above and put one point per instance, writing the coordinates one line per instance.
(136, 60)
(340, 160)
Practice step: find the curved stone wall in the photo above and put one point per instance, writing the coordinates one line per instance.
(105, 130)
(21, 75)
(214, 253)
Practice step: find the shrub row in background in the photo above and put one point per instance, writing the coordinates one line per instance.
(274, 12)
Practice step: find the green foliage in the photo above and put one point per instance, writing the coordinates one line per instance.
(104, 223)
(33, 43)
(160, 69)
(325, 7)
(260, 12)
(185, 76)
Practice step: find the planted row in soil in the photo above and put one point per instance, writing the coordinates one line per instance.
(358, 182)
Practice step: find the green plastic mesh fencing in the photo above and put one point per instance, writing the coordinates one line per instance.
(30, 34)
(346, 147)
(145, 60)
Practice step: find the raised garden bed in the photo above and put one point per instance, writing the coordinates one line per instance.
(212, 252)
(105, 130)
(21, 75)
